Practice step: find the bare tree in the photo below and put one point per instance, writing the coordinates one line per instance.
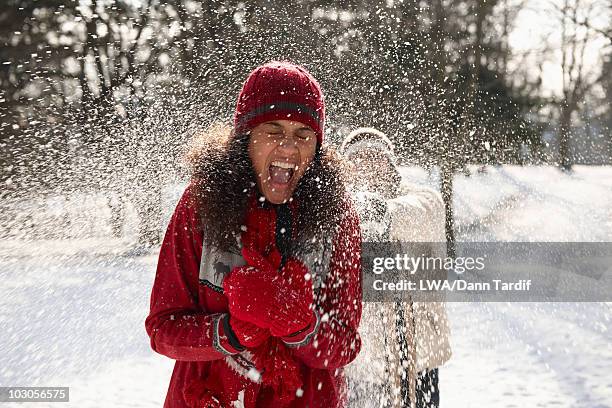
(577, 33)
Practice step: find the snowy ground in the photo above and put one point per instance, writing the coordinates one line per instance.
(531, 354)
(72, 311)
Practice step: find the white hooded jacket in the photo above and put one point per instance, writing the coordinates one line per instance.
(415, 214)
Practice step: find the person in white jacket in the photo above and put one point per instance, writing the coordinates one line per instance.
(404, 343)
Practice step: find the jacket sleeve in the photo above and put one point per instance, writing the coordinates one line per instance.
(177, 326)
(417, 215)
(336, 341)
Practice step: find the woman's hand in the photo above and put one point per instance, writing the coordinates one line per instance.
(295, 311)
(280, 302)
(248, 334)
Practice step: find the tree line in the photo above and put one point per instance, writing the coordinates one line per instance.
(104, 94)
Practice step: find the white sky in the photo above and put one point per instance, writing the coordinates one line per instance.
(538, 28)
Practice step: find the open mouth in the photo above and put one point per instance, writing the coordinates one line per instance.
(281, 172)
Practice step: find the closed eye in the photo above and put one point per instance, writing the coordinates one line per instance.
(305, 133)
(273, 128)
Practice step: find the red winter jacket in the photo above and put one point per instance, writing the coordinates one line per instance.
(187, 305)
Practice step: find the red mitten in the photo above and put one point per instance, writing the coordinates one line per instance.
(298, 276)
(295, 307)
(248, 334)
(260, 295)
(250, 292)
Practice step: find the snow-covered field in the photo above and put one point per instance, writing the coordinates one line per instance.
(72, 311)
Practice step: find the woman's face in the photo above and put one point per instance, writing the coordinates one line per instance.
(281, 151)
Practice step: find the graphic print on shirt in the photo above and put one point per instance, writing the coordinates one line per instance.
(215, 265)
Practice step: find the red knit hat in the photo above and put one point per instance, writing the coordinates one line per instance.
(280, 90)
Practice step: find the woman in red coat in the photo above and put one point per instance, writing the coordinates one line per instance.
(257, 294)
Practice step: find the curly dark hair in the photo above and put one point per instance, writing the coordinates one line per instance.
(223, 179)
